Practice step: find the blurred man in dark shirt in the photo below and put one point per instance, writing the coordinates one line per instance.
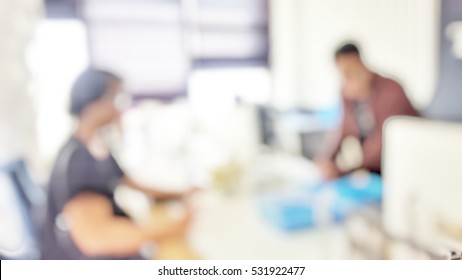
(368, 101)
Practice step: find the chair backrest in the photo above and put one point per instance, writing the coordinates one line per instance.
(21, 208)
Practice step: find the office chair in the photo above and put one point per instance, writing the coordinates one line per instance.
(22, 209)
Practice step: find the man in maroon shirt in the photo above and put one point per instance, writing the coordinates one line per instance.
(368, 100)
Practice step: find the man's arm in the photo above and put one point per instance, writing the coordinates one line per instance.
(325, 160)
(333, 140)
(97, 232)
(396, 103)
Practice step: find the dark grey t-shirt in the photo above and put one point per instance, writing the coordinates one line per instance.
(75, 171)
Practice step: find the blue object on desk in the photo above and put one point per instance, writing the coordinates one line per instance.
(303, 207)
(287, 212)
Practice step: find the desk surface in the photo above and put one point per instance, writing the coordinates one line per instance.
(232, 228)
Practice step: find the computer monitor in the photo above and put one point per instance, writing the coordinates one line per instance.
(422, 179)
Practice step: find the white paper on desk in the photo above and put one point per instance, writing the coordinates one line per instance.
(285, 169)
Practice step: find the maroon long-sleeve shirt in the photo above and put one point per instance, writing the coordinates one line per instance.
(387, 99)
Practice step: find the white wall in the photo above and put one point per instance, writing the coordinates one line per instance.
(57, 55)
(17, 127)
(398, 37)
(285, 51)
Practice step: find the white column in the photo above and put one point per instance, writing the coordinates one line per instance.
(17, 125)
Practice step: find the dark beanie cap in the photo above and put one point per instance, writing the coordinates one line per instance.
(90, 86)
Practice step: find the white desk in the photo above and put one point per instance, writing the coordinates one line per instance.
(232, 228)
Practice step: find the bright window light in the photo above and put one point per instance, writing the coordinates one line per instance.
(58, 54)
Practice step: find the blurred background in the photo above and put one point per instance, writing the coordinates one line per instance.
(236, 96)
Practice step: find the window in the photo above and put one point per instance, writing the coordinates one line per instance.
(140, 40)
(229, 32)
(156, 44)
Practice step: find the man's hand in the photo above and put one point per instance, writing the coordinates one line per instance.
(328, 168)
(165, 226)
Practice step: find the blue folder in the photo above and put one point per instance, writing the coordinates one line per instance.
(306, 206)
